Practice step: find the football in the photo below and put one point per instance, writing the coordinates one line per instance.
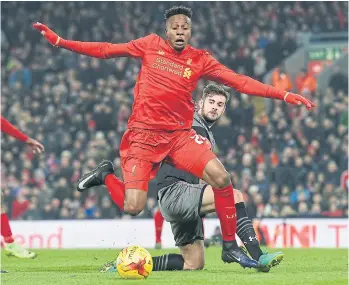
(134, 262)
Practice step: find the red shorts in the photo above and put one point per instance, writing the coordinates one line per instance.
(142, 152)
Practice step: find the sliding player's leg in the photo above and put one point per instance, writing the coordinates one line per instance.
(189, 239)
(183, 204)
(179, 204)
(192, 153)
(245, 230)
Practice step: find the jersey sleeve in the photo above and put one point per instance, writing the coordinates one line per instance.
(7, 128)
(215, 71)
(137, 48)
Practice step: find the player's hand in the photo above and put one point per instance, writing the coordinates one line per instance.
(35, 145)
(50, 35)
(296, 99)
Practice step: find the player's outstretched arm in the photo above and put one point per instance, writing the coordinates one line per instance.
(218, 72)
(94, 49)
(7, 128)
(11, 130)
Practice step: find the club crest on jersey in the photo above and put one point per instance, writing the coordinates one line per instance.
(189, 61)
(187, 73)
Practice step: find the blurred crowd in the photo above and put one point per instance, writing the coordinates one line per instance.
(287, 162)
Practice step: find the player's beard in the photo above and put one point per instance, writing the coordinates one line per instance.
(208, 119)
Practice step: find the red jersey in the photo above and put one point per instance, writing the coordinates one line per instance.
(163, 91)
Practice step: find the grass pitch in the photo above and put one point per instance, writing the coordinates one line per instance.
(65, 267)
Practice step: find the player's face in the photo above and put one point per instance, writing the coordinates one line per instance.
(178, 31)
(213, 107)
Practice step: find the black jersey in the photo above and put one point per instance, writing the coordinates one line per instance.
(168, 174)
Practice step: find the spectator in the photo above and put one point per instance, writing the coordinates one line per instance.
(338, 80)
(62, 189)
(333, 211)
(263, 185)
(281, 79)
(306, 83)
(20, 205)
(332, 175)
(272, 209)
(33, 212)
(300, 79)
(315, 211)
(108, 210)
(288, 212)
(303, 210)
(300, 194)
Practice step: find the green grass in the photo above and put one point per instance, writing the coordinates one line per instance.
(300, 266)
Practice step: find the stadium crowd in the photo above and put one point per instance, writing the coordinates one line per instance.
(288, 162)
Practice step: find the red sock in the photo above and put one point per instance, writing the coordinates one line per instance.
(6, 229)
(159, 222)
(226, 211)
(116, 189)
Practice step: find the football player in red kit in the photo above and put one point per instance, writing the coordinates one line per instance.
(11, 247)
(159, 128)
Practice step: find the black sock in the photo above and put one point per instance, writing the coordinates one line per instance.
(168, 262)
(246, 232)
(230, 244)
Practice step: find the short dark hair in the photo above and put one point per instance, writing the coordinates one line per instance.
(176, 10)
(211, 89)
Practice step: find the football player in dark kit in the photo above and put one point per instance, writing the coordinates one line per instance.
(183, 201)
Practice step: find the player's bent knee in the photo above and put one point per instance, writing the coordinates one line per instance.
(133, 209)
(135, 201)
(223, 179)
